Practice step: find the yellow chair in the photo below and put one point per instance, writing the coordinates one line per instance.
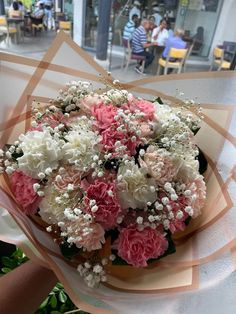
(218, 60)
(179, 55)
(37, 24)
(190, 48)
(65, 26)
(6, 29)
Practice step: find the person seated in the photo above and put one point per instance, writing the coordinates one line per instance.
(152, 26)
(140, 43)
(160, 34)
(38, 12)
(170, 31)
(130, 27)
(14, 6)
(37, 16)
(198, 39)
(21, 7)
(175, 41)
(14, 10)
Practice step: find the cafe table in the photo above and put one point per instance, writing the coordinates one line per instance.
(157, 51)
(17, 22)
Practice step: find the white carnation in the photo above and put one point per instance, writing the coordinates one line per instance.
(80, 148)
(134, 187)
(50, 210)
(40, 151)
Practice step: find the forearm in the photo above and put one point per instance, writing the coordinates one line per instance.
(24, 288)
(147, 45)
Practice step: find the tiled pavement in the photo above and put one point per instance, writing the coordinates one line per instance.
(35, 47)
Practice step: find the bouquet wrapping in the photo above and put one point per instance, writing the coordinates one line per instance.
(123, 172)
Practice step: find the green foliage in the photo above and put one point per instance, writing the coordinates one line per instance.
(158, 100)
(69, 251)
(15, 260)
(57, 302)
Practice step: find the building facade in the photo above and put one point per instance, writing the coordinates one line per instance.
(210, 20)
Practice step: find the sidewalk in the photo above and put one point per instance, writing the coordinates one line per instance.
(36, 47)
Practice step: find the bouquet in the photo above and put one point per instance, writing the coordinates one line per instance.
(110, 176)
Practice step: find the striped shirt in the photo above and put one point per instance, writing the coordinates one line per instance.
(139, 39)
(128, 30)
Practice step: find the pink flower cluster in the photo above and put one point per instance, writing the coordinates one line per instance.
(22, 188)
(137, 247)
(113, 170)
(108, 208)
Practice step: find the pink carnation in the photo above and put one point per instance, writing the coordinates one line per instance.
(104, 115)
(53, 119)
(92, 240)
(159, 165)
(178, 224)
(137, 247)
(143, 105)
(198, 189)
(107, 203)
(86, 104)
(70, 175)
(110, 136)
(22, 188)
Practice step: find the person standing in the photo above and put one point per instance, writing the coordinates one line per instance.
(160, 34)
(48, 5)
(157, 15)
(140, 43)
(135, 10)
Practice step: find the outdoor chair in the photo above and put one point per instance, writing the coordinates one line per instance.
(190, 48)
(37, 25)
(6, 29)
(65, 26)
(129, 55)
(218, 60)
(174, 60)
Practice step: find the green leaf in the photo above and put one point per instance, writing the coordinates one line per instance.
(59, 285)
(56, 289)
(6, 270)
(44, 303)
(53, 301)
(62, 296)
(55, 312)
(187, 221)
(158, 100)
(69, 251)
(202, 161)
(118, 260)
(8, 262)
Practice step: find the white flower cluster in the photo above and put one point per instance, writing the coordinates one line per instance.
(135, 189)
(40, 151)
(92, 274)
(80, 146)
(117, 96)
(75, 91)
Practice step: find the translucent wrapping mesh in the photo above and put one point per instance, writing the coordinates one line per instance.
(206, 250)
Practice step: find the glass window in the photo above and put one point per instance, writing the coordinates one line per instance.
(199, 19)
(91, 22)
